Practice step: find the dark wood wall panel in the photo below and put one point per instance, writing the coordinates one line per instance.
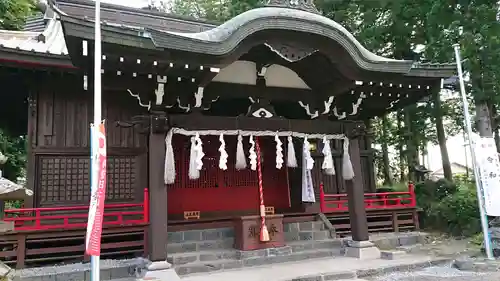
(62, 144)
(65, 112)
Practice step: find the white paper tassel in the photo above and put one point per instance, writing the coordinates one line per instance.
(328, 165)
(223, 153)
(199, 152)
(307, 154)
(291, 160)
(279, 152)
(193, 173)
(169, 175)
(241, 162)
(347, 170)
(253, 155)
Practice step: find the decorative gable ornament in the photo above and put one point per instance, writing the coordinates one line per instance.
(261, 109)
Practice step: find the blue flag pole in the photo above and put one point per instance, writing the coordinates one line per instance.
(468, 126)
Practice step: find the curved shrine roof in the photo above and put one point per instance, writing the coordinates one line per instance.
(224, 39)
(162, 31)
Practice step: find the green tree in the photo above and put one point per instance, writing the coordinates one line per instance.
(215, 10)
(15, 149)
(13, 13)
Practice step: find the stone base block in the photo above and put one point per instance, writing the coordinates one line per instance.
(392, 255)
(159, 265)
(166, 274)
(362, 250)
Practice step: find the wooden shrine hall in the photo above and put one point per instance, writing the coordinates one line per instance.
(262, 119)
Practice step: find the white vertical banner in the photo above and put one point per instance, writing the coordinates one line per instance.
(307, 183)
(488, 165)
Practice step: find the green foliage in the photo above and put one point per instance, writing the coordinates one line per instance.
(477, 239)
(13, 204)
(457, 213)
(13, 13)
(429, 192)
(215, 10)
(396, 187)
(14, 148)
(451, 207)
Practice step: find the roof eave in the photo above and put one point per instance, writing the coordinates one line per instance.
(84, 29)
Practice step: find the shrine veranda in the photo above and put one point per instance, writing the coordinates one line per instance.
(186, 102)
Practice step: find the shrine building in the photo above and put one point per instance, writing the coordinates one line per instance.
(217, 134)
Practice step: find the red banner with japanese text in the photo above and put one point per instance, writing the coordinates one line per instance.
(98, 194)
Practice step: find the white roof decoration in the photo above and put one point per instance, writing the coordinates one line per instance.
(12, 191)
(50, 41)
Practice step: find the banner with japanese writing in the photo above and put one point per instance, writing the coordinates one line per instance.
(488, 166)
(98, 193)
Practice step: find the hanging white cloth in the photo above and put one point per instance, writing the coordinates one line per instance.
(241, 162)
(327, 166)
(169, 174)
(307, 183)
(223, 153)
(199, 152)
(291, 160)
(307, 155)
(279, 152)
(252, 155)
(347, 169)
(193, 172)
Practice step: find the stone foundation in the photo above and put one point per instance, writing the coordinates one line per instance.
(211, 250)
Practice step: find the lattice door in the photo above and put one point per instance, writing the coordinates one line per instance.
(64, 180)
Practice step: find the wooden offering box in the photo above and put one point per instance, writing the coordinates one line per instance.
(247, 232)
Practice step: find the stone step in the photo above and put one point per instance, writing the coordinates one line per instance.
(224, 264)
(181, 258)
(201, 256)
(196, 246)
(307, 235)
(200, 235)
(304, 226)
(300, 246)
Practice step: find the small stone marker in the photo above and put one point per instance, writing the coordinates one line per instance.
(392, 255)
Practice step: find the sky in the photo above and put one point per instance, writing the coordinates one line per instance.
(129, 3)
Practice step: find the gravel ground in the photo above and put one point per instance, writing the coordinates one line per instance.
(439, 274)
(444, 247)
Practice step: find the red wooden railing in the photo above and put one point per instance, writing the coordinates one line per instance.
(76, 216)
(330, 203)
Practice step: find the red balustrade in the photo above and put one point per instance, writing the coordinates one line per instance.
(330, 203)
(76, 216)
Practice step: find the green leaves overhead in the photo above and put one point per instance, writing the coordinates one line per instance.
(215, 10)
(13, 13)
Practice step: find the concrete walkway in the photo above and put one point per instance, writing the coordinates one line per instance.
(331, 268)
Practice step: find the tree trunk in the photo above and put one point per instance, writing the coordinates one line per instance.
(411, 151)
(441, 136)
(494, 124)
(483, 119)
(385, 153)
(401, 148)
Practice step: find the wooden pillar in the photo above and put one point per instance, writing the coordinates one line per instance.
(157, 190)
(2, 209)
(355, 192)
(30, 201)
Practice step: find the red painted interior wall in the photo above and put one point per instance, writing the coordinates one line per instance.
(230, 190)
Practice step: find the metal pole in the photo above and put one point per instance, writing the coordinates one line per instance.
(484, 219)
(95, 260)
